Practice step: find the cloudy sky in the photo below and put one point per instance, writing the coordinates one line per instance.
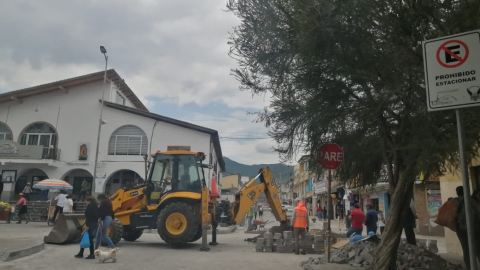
(172, 53)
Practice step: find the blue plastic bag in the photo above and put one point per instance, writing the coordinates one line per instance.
(85, 243)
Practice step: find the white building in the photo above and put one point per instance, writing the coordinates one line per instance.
(50, 131)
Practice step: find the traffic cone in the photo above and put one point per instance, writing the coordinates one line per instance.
(214, 191)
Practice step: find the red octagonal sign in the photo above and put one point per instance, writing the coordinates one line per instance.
(331, 156)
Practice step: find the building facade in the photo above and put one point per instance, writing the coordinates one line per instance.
(50, 131)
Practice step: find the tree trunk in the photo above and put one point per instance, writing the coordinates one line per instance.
(386, 256)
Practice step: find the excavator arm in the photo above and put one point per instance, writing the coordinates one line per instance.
(249, 193)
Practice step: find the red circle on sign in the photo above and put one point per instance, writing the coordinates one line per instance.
(331, 156)
(460, 60)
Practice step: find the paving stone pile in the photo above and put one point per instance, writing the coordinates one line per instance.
(284, 243)
(362, 253)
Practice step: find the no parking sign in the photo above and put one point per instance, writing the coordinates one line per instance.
(452, 71)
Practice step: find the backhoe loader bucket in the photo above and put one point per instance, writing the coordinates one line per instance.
(67, 229)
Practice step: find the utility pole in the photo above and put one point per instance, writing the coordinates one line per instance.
(100, 121)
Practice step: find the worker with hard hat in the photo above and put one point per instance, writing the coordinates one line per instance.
(300, 225)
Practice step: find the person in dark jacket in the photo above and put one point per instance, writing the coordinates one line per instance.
(105, 218)
(410, 224)
(91, 215)
(462, 224)
(371, 219)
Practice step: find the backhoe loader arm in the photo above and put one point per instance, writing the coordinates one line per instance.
(250, 192)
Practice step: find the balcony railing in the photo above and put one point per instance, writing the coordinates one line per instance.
(51, 153)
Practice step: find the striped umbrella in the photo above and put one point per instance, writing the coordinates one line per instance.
(52, 184)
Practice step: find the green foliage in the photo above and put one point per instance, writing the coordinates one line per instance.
(351, 72)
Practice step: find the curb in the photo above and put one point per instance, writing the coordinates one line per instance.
(17, 254)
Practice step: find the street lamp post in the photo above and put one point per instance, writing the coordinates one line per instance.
(100, 120)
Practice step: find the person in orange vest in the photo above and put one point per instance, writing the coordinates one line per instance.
(300, 225)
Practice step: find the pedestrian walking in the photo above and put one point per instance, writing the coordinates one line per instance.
(27, 190)
(325, 212)
(300, 226)
(410, 224)
(22, 213)
(371, 219)
(68, 205)
(255, 211)
(358, 218)
(320, 212)
(260, 212)
(105, 218)
(381, 221)
(75, 203)
(60, 202)
(91, 225)
(309, 207)
(84, 190)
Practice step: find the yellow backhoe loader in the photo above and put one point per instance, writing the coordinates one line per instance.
(175, 201)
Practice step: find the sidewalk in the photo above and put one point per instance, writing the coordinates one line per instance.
(20, 240)
(342, 229)
(441, 244)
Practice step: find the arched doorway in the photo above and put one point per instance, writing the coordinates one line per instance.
(75, 178)
(120, 179)
(31, 176)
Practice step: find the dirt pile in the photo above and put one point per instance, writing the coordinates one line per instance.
(362, 253)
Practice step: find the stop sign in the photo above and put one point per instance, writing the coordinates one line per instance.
(331, 156)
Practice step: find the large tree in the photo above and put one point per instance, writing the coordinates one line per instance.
(351, 72)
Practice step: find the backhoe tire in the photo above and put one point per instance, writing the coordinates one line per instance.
(131, 235)
(115, 231)
(177, 224)
(198, 235)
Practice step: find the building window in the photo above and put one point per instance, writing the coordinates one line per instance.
(8, 176)
(128, 140)
(119, 99)
(5, 133)
(39, 134)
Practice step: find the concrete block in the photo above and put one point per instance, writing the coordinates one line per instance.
(20, 253)
(358, 259)
(366, 256)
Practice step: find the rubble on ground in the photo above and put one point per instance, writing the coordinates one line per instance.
(362, 253)
(285, 243)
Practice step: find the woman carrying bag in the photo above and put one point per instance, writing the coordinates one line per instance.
(91, 214)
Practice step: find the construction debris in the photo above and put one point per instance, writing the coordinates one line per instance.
(362, 253)
(284, 243)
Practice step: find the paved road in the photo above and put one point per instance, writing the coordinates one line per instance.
(150, 252)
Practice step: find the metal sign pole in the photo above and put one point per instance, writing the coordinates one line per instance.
(329, 207)
(466, 190)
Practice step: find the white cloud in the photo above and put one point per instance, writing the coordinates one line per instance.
(15, 76)
(176, 51)
(239, 124)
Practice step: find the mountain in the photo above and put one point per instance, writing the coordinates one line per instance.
(281, 173)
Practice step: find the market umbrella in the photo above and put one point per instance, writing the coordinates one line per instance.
(52, 184)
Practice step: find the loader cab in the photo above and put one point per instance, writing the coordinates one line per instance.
(175, 171)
